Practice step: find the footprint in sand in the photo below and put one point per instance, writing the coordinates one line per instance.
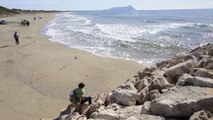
(64, 67)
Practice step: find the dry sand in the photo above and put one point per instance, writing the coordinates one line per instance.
(37, 75)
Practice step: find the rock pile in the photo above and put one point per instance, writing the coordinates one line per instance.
(177, 89)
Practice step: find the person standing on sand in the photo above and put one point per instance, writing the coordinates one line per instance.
(16, 37)
(77, 95)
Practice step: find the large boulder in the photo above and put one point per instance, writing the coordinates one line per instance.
(154, 94)
(187, 79)
(116, 112)
(206, 63)
(73, 116)
(146, 109)
(174, 72)
(143, 96)
(128, 86)
(204, 50)
(202, 72)
(108, 98)
(201, 115)
(134, 113)
(97, 104)
(124, 113)
(210, 50)
(141, 84)
(107, 115)
(145, 117)
(146, 72)
(124, 97)
(183, 101)
(163, 64)
(174, 61)
(158, 84)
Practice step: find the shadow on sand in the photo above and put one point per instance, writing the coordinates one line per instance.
(65, 112)
(5, 46)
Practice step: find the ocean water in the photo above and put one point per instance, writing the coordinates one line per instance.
(146, 37)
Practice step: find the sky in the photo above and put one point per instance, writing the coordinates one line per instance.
(105, 4)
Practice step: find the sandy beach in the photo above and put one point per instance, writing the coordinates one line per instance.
(37, 76)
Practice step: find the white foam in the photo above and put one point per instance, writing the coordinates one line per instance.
(126, 32)
(100, 39)
(51, 32)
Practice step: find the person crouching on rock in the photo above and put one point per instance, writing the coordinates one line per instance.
(77, 96)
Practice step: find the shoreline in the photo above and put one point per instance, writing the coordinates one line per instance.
(37, 75)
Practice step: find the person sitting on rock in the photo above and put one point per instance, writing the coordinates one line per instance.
(77, 95)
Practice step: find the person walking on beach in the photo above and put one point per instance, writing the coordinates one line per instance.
(77, 96)
(16, 37)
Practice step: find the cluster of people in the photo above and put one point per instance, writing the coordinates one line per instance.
(25, 22)
(34, 18)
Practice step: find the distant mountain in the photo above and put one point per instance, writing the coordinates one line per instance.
(122, 10)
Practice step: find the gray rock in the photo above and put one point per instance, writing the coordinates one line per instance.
(141, 84)
(183, 101)
(93, 115)
(124, 97)
(121, 113)
(154, 94)
(141, 75)
(187, 79)
(107, 115)
(173, 73)
(162, 64)
(202, 72)
(210, 50)
(174, 61)
(206, 63)
(201, 115)
(128, 86)
(133, 112)
(74, 116)
(204, 50)
(115, 107)
(145, 117)
(143, 96)
(209, 66)
(63, 117)
(108, 98)
(159, 84)
(93, 107)
(197, 56)
(146, 109)
(129, 111)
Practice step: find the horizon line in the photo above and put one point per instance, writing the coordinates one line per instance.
(105, 9)
(112, 7)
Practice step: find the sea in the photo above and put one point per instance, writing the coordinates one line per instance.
(143, 36)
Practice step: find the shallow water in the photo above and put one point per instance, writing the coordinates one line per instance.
(143, 36)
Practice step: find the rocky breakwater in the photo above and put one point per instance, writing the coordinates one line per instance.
(176, 89)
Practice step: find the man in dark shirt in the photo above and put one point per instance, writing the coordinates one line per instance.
(16, 37)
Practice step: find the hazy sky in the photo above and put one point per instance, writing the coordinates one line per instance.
(104, 4)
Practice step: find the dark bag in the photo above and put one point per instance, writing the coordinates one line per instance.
(72, 94)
